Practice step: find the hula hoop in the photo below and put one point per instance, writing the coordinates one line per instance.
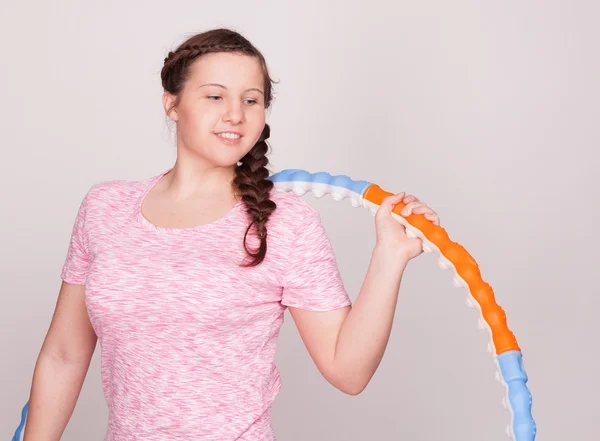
(508, 356)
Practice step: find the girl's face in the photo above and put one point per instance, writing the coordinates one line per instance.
(224, 94)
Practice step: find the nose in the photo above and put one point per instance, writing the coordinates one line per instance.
(233, 113)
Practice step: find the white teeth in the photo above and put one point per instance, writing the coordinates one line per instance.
(229, 135)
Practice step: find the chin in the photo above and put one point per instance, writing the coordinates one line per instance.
(232, 156)
(229, 161)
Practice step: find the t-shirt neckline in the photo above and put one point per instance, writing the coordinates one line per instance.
(164, 230)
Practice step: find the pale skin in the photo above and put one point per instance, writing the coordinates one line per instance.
(346, 344)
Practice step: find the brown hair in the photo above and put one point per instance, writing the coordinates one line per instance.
(251, 172)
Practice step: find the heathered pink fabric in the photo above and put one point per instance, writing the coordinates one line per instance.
(187, 336)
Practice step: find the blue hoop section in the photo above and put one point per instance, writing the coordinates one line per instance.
(515, 379)
(18, 436)
(342, 181)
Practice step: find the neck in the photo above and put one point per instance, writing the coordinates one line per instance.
(189, 181)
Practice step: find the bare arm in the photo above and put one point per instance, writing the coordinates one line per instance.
(61, 367)
(348, 344)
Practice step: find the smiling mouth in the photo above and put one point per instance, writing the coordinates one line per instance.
(229, 135)
(229, 138)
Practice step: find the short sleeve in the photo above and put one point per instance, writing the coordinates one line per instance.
(313, 281)
(77, 262)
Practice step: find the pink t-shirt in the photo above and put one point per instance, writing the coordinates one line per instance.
(187, 336)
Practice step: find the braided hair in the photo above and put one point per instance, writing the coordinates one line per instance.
(251, 172)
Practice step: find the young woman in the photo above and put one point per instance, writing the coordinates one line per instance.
(184, 277)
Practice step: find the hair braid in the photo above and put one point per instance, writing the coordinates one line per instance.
(254, 187)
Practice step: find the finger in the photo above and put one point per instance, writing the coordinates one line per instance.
(434, 218)
(410, 207)
(410, 198)
(427, 212)
(423, 209)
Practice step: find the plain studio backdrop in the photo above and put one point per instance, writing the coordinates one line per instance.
(487, 111)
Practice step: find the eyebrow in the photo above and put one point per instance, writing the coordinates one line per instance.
(223, 87)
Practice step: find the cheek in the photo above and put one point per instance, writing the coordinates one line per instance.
(199, 124)
(256, 124)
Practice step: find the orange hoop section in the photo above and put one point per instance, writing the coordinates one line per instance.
(466, 267)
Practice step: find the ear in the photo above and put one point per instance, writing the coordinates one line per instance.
(168, 103)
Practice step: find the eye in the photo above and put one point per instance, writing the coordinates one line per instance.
(252, 102)
(213, 96)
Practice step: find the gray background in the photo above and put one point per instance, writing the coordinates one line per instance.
(487, 111)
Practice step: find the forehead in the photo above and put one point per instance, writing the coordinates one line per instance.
(230, 69)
